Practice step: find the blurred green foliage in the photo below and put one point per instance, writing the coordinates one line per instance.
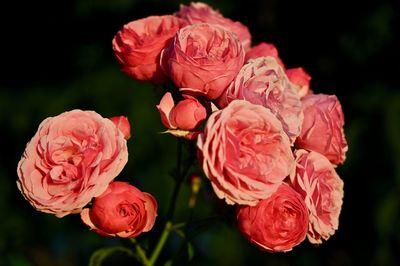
(57, 56)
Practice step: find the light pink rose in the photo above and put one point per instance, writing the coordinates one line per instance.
(186, 115)
(245, 153)
(322, 129)
(264, 49)
(122, 123)
(121, 211)
(322, 189)
(200, 12)
(277, 223)
(263, 81)
(137, 46)
(299, 77)
(203, 59)
(71, 159)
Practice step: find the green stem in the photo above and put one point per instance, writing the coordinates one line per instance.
(178, 182)
(160, 244)
(141, 252)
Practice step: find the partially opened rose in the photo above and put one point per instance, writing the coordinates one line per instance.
(138, 45)
(121, 211)
(71, 159)
(322, 189)
(245, 153)
(263, 81)
(264, 49)
(277, 223)
(322, 128)
(203, 13)
(203, 59)
(186, 114)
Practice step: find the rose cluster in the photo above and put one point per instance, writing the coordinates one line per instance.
(265, 141)
(73, 159)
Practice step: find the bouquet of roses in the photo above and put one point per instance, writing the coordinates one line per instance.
(264, 140)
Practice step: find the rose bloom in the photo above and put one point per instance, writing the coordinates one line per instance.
(186, 115)
(322, 189)
(137, 46)
(121, 211)
(203, 13)
(264, 49)
(71, 159)
(322, 129)
(245, 153)
(263, 81)
(203, 59)
(277, 223)
(301, 80)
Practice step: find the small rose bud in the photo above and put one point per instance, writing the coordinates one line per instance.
(186, 115)
(299, 77)
(122, 123)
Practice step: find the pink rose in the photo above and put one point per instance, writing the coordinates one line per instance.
(138, 46)
(299, 77)
(322, 189)
(277, 223)
(203, 59)
(186, 115)
(263, 81)
(322, 129)
(71, 159)
(263, 50)
(200, 12)
(121, 211)
(245, 153)
(122, 123)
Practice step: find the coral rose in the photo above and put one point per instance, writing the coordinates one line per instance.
(137, 46)
(203, 59)
(71, 159)
(186, 115)
(277, 223)
(263, 81)
(322, 129)
(200, 12)
(322, 189)
(121, 211)
(245, 153)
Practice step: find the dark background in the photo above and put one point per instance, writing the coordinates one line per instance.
(56, 56)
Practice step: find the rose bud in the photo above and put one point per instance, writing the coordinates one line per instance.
(200, 12)
(322, 189)
(122, 123)
(262, 50)
(322, 128)
(71, 159)
(277, 223)
(299, 77)
(244, 152)
(121, 211)
(137, 46)
(263, 81)
(203, 59)
(186, 115)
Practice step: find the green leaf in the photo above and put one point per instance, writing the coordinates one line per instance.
(190, 251)
(100, 255)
